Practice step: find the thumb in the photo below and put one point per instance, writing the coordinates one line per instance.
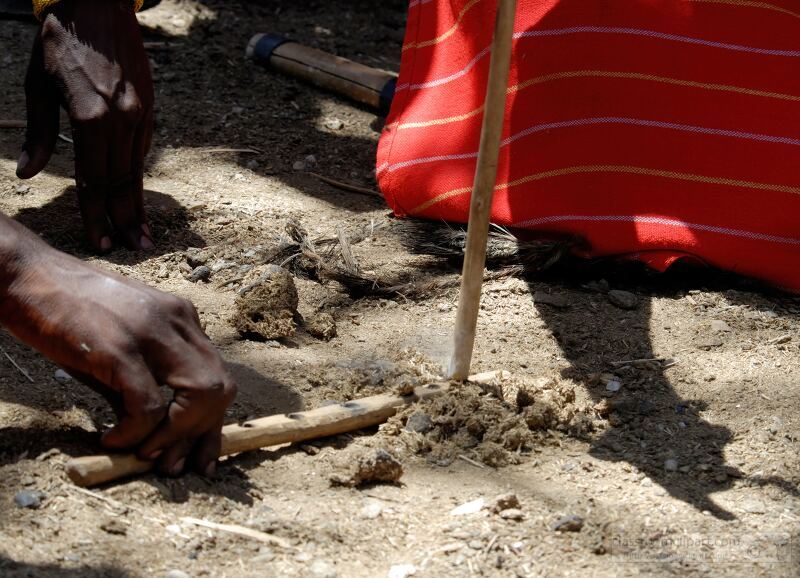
(43, 113)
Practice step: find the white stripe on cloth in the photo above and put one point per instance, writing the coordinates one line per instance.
(659, 221)
(604, 120)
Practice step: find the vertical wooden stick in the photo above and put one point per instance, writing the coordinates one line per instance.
(482, 190)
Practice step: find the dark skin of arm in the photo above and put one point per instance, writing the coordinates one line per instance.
(116, 335)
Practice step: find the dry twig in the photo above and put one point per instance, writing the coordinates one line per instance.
(19, 368)
(13, 124)
(240, 531)
(350, 188)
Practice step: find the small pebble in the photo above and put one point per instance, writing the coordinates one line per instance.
(62, 376)
(334, 124)
(322, 569)
(613, 386)
(671, 465)
(512, 514)
(623, 299)
(371, 510)
(22, 189)
(29, 499)
(419, 422)
(115, 527)
(709, 343)
(599, 286)
(299, 166)
(504, 502)
(553, 300)
(569, 523)
(176, 574)
(252, 164)
(402, 571)
(201, 273)
(472, 507)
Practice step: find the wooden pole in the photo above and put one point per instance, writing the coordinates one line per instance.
(273, 430)
(482, 190)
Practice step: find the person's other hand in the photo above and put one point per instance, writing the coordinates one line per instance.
(125, 339)
(89, 58)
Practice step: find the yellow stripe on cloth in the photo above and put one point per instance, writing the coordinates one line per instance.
(619, 169)
(751, 4)
(39, 6)
(452, 30)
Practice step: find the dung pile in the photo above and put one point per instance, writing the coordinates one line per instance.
(267, 305)
(493, 425)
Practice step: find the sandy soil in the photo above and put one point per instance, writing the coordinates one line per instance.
(687, 464)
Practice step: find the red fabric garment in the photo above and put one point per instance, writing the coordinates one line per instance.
(652, 129)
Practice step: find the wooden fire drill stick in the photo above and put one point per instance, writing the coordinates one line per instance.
(482, 191)
(275, 430)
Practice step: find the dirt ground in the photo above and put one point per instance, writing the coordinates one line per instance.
(684, 465)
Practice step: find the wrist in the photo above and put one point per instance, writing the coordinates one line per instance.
(41, 6)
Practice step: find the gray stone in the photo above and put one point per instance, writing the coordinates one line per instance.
(671, 465)
(710, 343)
(29, 499)
(419, 422)
(623, 299)
(551, 299)
(571, 523)
(62, 376)
(201, 273)
(600, 286)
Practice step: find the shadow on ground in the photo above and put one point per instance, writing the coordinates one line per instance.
(652, 423)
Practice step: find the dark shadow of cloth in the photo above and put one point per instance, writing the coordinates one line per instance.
(12, 569)
(651, 423)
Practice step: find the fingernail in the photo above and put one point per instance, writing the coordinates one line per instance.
(23, 161)
(146, 243)
(105, 243)
(178, 467)
(146, 229)
(155, 454)
(211, 469)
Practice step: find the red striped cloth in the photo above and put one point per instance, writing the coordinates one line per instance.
(653, 129)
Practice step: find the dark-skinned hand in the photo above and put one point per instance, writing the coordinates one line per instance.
(123, 339)
(89, 58)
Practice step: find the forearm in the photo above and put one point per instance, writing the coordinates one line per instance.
(18, 247)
